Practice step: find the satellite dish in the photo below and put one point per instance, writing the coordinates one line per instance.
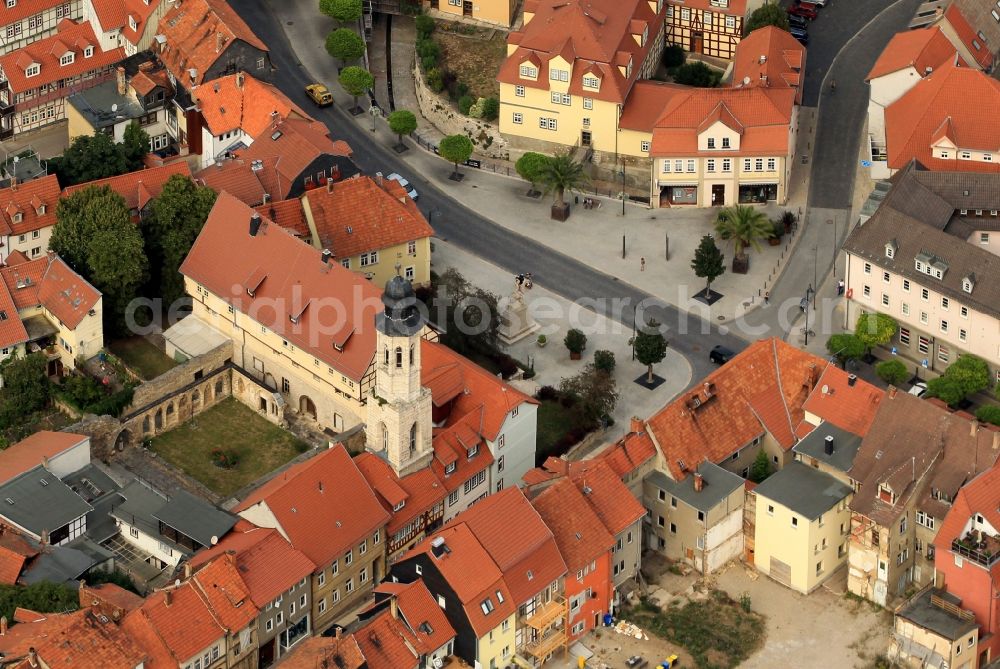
(114, 108)
(746, 81)
(825, 389)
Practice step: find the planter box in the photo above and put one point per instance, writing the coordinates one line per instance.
(574, 356)
(560, 212)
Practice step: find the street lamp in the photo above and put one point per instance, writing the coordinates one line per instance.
(804, 305)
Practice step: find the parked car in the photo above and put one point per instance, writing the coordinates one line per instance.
(808, 4)
(720, 355)
(801, 34)
(410, 190)
(818, 3)
(803, 11)
(797, 21)
(918, 388)
(319, 94)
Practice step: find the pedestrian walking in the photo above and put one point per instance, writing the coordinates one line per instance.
(642, 264)
(767, 298)
(840, 287)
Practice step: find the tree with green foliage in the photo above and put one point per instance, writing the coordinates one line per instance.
(708, 262)
(988, 414)
(471, 314)
(673, 56)
(604, 361)
(875, 329)
(345, 45)
(768, 14)
(892, 371)
(135, 146)
(650, 347)
(595, 394)
(845, 347)
(343, 11)
(424, 25)
(491, 109)
(697, 74)
(26, 388)
(402, 122)
(560, 174)
(575, 341)
(177, 217)
(356, 81)
(90, 157)
(966, 376)
(76, 221)
(116, 265)
(43, 597)
(455, 149)
(760, 468)
(744, 226)
(530, 167)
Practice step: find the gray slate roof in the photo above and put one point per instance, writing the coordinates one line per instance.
(803, 489)
(36, 506)
(719, 484)
(921, 215)
(845, 446)
(95, 105)
(60, 564)
(196, 518)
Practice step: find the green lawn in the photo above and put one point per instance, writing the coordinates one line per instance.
(554, 421)
(259, 445)
(144, 358)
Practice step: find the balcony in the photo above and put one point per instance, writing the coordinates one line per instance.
(980, 548)
(547, 614)
(547, 644)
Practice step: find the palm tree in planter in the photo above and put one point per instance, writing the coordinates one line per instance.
(559, 175)
(744, 226)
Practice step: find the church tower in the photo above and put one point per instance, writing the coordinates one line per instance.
(398, 426)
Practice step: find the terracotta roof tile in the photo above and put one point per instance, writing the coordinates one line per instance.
(342, 653)
(849, 407)
(770, 57)
(223, 589)
(286, 266)
(919, 49)
(358, 215)
(766, 384)
(608, 496)
(286, 213)
(109, 598)
(138, 187)
(387, 644)
(143, 633)
(418, 492)
(420, 612)
(34, 450)
(23, 198)
(12, 331)
(965, 32)
(242, 102)
(114, 14)
(267, 563)
(47, 52)
(195, 30)
(579, 532)
(323, 505)
(646, 103)
(980, 495)
(960, 95)
(53, 285)
(79, 639)
(185, 625)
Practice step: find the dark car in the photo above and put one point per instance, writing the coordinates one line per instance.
(805, 11)
(801, 34)
(797, 21)
(720, 355)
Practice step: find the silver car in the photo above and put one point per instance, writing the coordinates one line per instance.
(410, 190)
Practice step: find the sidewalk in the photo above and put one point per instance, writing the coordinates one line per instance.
(594, 237)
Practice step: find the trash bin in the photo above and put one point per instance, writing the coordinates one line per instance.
(608, 619)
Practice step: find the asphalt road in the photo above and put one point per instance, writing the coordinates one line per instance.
(688, 335)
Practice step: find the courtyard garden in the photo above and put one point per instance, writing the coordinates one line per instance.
(142, 357)
(252, 447)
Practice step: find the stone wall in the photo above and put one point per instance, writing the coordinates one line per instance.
(180, 376)
(438, 109)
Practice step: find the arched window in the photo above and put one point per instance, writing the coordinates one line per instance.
(385, 437)
(413, 439)
(411, 353)
(387, 355)
(399, 356)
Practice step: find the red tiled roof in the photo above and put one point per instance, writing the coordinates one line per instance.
(771, 57)
(579, 533)
(766, 384)
(418, 492)
(53, 285)
(24, 198)
(108, 598)
(35, 449)
(288, 214)
(47, 52)
(140, 629)
(12, 331)
(595, 36)
(472, 574)
(358, 215)
(138, 187)
(223, 589)
(184, 627)
(760, 115)
(23, 10)
(387, 644)
(267, 563)
(611, 499)
(323, 505)
(646, 103)
(923, 49)
(80, 639)
(967, 34)
(291, 272)
(980, 495)
(529, 559)
(850, 408)
(242, 102)
(14, 552)
(417, 607)
(961, 99)
(114, 14)
(195, 30)
(342, 653)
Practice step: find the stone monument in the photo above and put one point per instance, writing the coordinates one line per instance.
(515, 322)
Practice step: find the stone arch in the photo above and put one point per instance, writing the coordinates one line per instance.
(195, 401)
(399, 356)
(219, 388)
(158, 419)
(145, 424)
(208, 394)
(307, 406)
(170, 409)
(239, 386)
(413, 439)
(123, 439)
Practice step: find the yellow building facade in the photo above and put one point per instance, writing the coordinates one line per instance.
(497, 12)
(496, 648)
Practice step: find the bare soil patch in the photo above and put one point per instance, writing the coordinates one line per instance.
(474, 58)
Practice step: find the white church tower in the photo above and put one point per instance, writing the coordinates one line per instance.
(398, 426)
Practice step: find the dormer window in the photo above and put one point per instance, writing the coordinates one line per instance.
(399, 507)
(67, 58)
(890, 249)
(487, 606)
(591, 82)
(88, 52)
(32, 70)
(18, 217)
(725, 142)
(555, 74)
(711, 142)
(885, 494)
(529, 72)
(473, 451)
(968, 283)
(131, 22)
(450, 468)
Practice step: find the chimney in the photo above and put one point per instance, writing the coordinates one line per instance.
(928, 70)
(45, 461)
(337, 630)
(699, 482)
(828, 445)
(187, 570)
(394, 607)
(439, 547)
(254, 224)
(44, 539)
(120, 79)
(378, 178)
(329, 185)
(167, 597)
(852, 379)
(973, 428)
(319, 486)
(32, 657)
(3, 625)
(326, 261)
(635, 425)
(239, 80)
(892, 392)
